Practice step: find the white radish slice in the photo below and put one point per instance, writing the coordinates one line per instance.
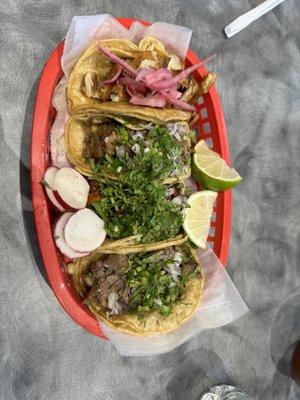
(48, 183)
(60, 240)
(70, 188)
(84, 231)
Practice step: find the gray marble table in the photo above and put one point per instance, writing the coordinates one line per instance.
(43, 353)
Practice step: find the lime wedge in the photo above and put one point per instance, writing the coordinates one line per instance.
(198, 215)
(211, 170)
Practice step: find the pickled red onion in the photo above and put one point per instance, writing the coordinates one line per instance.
(143, 73)
(132, 86)
(156, 100)
(115, 77)
(171, 97)
(160, 74)
(118, 60)
(161, 85)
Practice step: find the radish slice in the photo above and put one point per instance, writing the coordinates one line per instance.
(66, 206)
(60, 240)
(48, 183)
(84, 231)
(70, 188)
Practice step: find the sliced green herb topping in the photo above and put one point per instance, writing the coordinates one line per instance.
(135, 202)
(152, 286)
(157, 153)
(138, 206)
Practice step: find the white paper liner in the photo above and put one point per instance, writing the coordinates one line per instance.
(57, 143)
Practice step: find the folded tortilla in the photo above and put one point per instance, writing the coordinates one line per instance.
(86, 94)
(135, 323)
(78, 127)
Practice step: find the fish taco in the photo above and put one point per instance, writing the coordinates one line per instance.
(141, 293)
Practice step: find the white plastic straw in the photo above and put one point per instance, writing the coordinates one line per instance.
(244, 20)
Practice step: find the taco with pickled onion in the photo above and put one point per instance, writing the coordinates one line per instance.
(145, 81)
(115, 147)
(141, 293)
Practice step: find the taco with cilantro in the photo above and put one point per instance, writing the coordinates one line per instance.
(141, 293)
(163, 151)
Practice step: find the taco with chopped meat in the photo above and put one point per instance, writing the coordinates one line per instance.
(114, 146)
(141, 293)
(144, 81)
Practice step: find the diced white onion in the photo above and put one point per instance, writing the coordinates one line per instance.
(157, 301)
(137, 135)
(177, 200)
(170, 191)
(174, 270)
(136, 148)
(178, 257)
(114, 97)
(112, 299)
(120, 151)
(177, 137)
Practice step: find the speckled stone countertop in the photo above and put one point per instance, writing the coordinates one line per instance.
(43, 353)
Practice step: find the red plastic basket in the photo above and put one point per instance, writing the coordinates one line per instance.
(211, 127)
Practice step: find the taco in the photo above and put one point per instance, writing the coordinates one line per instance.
(145, 81)
(143, 293)
(116, 146)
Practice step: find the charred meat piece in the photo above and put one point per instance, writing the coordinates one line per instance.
(103, 93)
(109, 278)
(115, 262)
(101, 139)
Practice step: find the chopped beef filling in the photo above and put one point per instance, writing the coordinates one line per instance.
(100, 141)
(109, 278)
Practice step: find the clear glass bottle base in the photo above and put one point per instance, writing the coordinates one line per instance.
(224, 392)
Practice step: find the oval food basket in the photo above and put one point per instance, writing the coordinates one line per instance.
(210, 126)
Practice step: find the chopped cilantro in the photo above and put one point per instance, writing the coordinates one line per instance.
(138, 205)
(135, 202)
(123, 135)
(159, 155)
(150, 284)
